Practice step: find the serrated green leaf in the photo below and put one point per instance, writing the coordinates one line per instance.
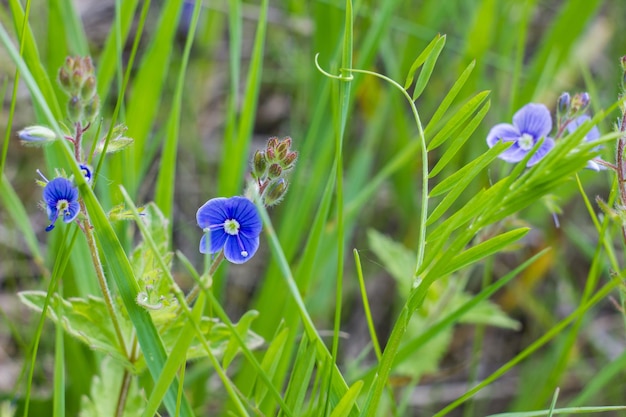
(458, 119)
(459, 140)
(86, 320)
(428, 68)
(487, 313)
(427, 357)
(215, 332)
(243, 328)
(270, 362)
(419, 61)
(397, 259)
(104, 394)
(344, 407)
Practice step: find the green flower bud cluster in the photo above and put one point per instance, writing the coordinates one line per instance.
(269, 167)
(78, 80)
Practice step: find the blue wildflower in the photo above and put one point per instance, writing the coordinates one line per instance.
(61, 199)
(234, 225)
(86, 170)
(531, 123)
(592, 135)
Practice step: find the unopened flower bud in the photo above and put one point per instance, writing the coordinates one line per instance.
(289, 160)
(584, 100)
(274, 171)
(272, 142)
(64, 78)
(622, 61)
(563, 104)
(36, 134)
(282, 149)
(88, 89)
(270, 154)
(87, 64)
(92, 108)
(259, 164)
(74, 109)
(275, 192)
(76, 81)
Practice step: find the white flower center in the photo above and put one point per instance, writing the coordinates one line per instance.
(526, 142)
(231, 227)
(63, 206)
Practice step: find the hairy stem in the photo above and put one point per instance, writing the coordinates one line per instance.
(87, 228)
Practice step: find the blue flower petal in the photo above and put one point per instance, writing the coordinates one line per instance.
(592, 135)
(505, 132)
(240, 250)
(546, 146)
(212, 212)
(71, 212)
(533, 119)
(514, 154)
(247, 215)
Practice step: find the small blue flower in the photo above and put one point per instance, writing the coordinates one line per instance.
(61, 199)
(234, 224)
(531, 123)
(592, 135)
(86, 170)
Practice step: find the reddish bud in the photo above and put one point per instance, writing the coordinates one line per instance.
(274, 171)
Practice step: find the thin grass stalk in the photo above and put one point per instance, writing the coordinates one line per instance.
(16, 81)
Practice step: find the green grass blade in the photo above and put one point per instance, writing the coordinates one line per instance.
(164, 193)
(33, 61)
(122, 273)
(73, 27)
(236, 151)
(346, 404)
(148, 86)
(602, 292)
(108, 60)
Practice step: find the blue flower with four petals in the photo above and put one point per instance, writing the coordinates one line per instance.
(531, 123)
(232, 224)
(61, 200)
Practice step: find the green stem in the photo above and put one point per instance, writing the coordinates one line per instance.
(421, 244)
(193, 294)
(87, 228)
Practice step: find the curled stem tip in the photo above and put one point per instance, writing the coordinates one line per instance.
(349, 77)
